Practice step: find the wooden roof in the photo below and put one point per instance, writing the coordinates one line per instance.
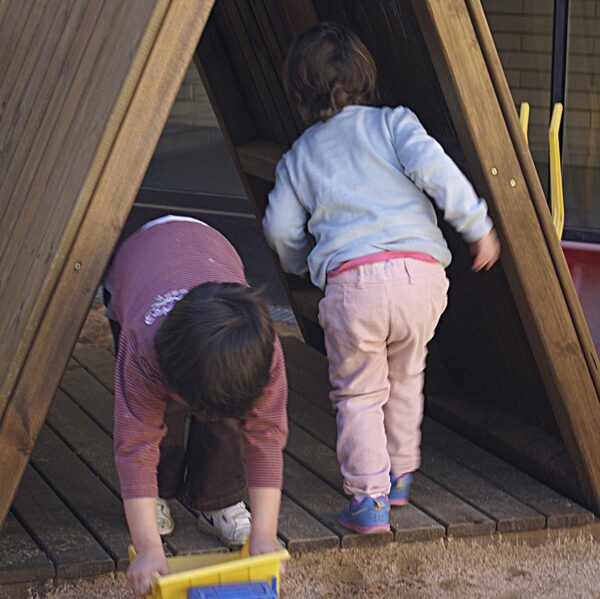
(86, 89)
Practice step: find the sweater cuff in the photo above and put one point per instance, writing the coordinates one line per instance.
(476, 233)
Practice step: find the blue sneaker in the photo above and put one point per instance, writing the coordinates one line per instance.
(400, 488)
(366, 516)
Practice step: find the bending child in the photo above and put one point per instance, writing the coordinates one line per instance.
(194, 341)
(357, 180)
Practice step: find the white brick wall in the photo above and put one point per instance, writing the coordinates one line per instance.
(192, 108)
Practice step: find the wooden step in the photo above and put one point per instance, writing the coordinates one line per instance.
(259, 158)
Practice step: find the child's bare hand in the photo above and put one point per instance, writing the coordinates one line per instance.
(261, 544)
(486, 251)
(146, 563)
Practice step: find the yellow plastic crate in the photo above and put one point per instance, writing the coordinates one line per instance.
(214, 568)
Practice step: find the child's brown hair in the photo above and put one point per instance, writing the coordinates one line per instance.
(327, 68)
(215, 349)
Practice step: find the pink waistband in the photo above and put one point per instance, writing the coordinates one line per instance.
(379, 257)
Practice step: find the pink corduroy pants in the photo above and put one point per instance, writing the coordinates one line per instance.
(378, 319)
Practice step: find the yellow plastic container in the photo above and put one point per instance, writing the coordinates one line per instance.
(214, 568)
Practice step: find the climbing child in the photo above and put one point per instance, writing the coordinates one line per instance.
(357, 180)
(194, 340)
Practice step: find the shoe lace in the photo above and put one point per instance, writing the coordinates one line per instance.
(161, 510)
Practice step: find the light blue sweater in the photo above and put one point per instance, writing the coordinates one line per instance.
(357, 183)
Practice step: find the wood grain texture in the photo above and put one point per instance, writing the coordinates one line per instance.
(534, 185)
(86, 495)
(94, 447)
(62, 270)
(558, 510)
(321, 501)
(302, 532)
(99, 362)
(461, 67)
(73, 550)
(21, 560)
(408, 523)
(527, 446)
(259, 158)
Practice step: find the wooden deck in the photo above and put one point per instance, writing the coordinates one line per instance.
(67, 520)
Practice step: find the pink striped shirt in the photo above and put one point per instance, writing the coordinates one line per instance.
(152, 270)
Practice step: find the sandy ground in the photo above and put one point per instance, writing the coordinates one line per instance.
(565, 567)
(564, 564)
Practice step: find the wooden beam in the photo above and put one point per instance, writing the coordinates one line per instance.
(157, 68)
(498, 176)
(484, 35)
(259, 158)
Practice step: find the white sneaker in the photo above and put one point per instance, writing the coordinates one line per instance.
(232, 524)
(164, 518)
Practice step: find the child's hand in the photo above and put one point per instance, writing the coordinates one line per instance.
(261, 544)
(146, 563)
(486, 251)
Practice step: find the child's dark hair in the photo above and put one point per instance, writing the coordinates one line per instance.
(215, 348)
(326, 68)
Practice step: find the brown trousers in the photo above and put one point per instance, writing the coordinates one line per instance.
(206, 473)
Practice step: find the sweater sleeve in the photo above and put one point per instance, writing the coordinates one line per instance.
(427, 165)
(284, 224)
(265, 429)
(138, 422)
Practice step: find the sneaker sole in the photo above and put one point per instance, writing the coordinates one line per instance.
(398, 502)
(365, 530)
(214, 531)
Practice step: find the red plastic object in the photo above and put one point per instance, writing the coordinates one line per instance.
(583, 260)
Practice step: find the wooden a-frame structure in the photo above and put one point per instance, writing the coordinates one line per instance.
(86, 89)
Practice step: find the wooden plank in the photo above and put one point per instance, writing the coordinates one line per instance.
(26, 67)
(55, 165)
(156, 70)
(558, 510)
(225, 77)
(308, 299)
(99, 362)
(90, 395)
(505, 99)
(309, 417)
(529, 447)
(300, 531)
(325, 504)
(237, 59)
(73, 550)
(265, 62)
(98, 508)
(531, 273)
(263, 80)
(459, 518)
(509, 514)
(21, 560)
(290, 19)
(259, 158)
(266, 18)
(300, 358)
(15, 20)
(307, 357)
(95, 448)
(408, 523)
